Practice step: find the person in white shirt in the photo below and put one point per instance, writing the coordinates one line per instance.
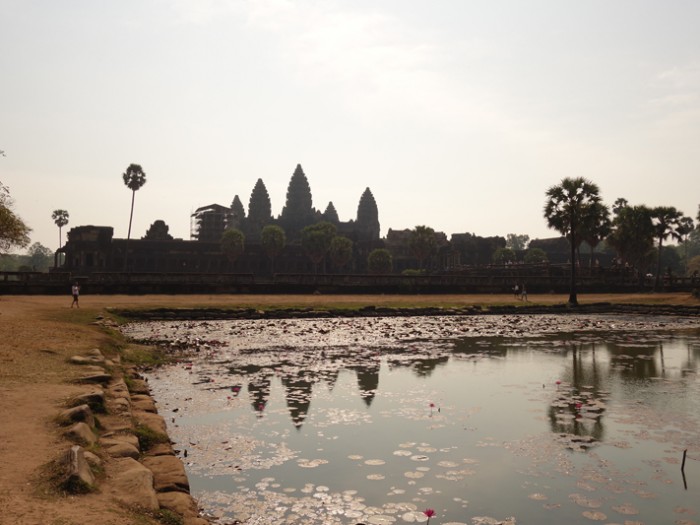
(75, 290)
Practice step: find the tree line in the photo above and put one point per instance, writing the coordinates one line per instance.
(575, 209)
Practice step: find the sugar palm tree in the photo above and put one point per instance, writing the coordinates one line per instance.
(596, 227)
(422, 244)
(60, 218)
(273, 240)
(568, 208)
(232, 244)
(666, 220)
(134, 177)
(686, 225)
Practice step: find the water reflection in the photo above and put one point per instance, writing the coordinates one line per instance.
(318, 434)
(576, 408)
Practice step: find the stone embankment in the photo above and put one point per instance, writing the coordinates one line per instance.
(202, 314)
(120, 443)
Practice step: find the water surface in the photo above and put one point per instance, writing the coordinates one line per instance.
(489, 419)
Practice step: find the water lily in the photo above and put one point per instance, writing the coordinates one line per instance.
(430, 513)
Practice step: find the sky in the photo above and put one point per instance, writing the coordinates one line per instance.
(457, 114)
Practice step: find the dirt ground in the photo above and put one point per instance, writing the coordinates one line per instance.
(38, 334)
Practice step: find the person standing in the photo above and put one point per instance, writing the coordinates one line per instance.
(75, 290)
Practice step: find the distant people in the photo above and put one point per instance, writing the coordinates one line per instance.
(75, 290)
(516, 291)
(523, 294)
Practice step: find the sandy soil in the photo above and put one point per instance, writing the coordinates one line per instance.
(39, 333)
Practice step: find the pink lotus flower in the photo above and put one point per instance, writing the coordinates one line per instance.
(430, 513)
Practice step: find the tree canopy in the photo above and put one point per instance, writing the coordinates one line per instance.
(535, 256)
(273, 240)
(422, 243)
(666, 221)
(340, 251)
(232, 243)
(517, 242)
(595, 227)
(569, 206)
(316, 241)
(503, 256)
(134, 178)
(632, 235)
(60, 219)
(13, 231)
(379, 261)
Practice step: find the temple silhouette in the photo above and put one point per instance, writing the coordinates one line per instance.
(94, 248)
(204, 263)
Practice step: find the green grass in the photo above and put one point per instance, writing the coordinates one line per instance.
(168, 517)
(148, 437)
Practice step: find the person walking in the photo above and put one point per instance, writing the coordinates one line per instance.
(75, 290)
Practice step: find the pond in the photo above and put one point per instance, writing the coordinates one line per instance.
(483, 419)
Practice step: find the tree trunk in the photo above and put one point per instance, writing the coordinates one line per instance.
(572, 289)
(128, 235)
(658, 266)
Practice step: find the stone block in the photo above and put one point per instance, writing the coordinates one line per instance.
(77, 414)
(101, 377)
(81, 433)
(95, 400)
(168, 473)
(87, 360)
(143, 403)
(79, 478)
(132, 484)
(150, 420)
(178, 502)
(161, 449)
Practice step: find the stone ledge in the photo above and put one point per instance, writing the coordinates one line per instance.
(159, 480)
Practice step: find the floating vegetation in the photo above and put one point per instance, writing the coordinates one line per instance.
(346, 421)
(594, 515)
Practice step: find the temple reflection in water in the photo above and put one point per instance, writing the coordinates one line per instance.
(577, 407)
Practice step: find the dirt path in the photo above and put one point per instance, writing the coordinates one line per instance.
(38, 334)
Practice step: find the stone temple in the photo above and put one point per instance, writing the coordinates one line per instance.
(94, 249)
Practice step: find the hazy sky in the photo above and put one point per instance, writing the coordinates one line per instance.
(457, 114)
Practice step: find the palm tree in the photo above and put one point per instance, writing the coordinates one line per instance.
(632, 236)
(273, 240)
(60, 218)
(666, 220)
(134, 177)
(686, 225)
(568, 208)
(232, 243)
(422, 243)
(340, 251)
(316, 241)
(595, 228)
